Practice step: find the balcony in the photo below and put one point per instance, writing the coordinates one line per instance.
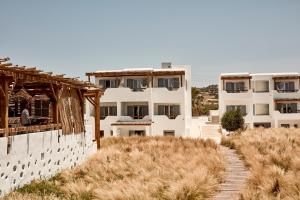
(160, 95)
(286, 116)
(243, 90)
(236, 94)
(127, 118)
(125, 94)
(286, 94)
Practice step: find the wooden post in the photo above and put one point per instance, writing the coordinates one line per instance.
(55, 105)
(152, 81)
(249, 84)
(4, 106)
(181, 83)
(97, 119)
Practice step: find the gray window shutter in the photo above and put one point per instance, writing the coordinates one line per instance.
(279, 86)
(160, 82)
(161, 110)
(278, 106)
(113, 111)
(143, 110)
(291, 86)
(112, 83)
(175, 82)
(294, 107)
(130, 83)
(241, 86)
(101, 84)
(177, 110)
(144, 83)
(102, 112)
(229, 86)
(229, 108)
(130, 110)
(243, 110)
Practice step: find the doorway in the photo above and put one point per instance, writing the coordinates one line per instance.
(137, 133)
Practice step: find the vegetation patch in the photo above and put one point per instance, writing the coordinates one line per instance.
(163, 168)
(273, 158)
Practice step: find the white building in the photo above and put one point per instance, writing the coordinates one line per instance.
(152, 102)
(269, 100)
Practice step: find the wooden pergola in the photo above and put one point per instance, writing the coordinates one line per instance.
(67, 99)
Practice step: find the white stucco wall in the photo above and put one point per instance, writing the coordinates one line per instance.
(42, 154)
(182, 125)
(251, 99)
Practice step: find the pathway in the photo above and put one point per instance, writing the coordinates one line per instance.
(235, 176)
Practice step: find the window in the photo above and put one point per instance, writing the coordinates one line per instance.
(287, 107)
(261, 86)
(101, 134)
(265, 125)
(137, 111)
(285, 86)
(109, 83)
(172, 111)
(235, 107)
(41, 108)
(261, 109)
(136, 133)
(170, 83)
(233, 87)
(169, 133)
(107, 111)
(285, 125)
(137, 84)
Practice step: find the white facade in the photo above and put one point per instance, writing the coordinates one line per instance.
(41, 155)
(157, 102)
(270, 100)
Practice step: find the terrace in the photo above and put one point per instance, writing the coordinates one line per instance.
(52, 101)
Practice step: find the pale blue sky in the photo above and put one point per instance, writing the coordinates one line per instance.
(73, 37)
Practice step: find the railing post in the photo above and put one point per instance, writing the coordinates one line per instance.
(97, 119)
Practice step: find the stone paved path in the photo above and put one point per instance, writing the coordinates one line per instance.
(235, 176)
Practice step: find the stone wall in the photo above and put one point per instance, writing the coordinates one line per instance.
(41, 155)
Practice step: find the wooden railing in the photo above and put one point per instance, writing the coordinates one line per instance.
(30, 129)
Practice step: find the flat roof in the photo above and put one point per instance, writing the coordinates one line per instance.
(260, 74)
(137, 72)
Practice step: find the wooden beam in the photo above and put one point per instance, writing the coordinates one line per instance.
(97, 119)
(4, 106)
(91, 100)
(53, 91)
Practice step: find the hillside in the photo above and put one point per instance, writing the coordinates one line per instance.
(204, 99)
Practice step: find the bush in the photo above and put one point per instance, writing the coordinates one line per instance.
(232, 120)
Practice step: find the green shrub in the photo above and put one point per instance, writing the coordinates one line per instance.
(233, 120)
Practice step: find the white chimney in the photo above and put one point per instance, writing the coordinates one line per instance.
(166, 65)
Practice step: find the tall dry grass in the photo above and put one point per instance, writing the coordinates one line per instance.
(138, 168)
(273, 156)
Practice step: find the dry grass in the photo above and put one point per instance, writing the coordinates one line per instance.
(273, 156)
(138, 168)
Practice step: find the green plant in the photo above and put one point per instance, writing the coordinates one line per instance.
(233, 120)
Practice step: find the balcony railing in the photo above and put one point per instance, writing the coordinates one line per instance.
(286, 91)
(137, 116)
(243, 90)
(288, 111)
(31, 129)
